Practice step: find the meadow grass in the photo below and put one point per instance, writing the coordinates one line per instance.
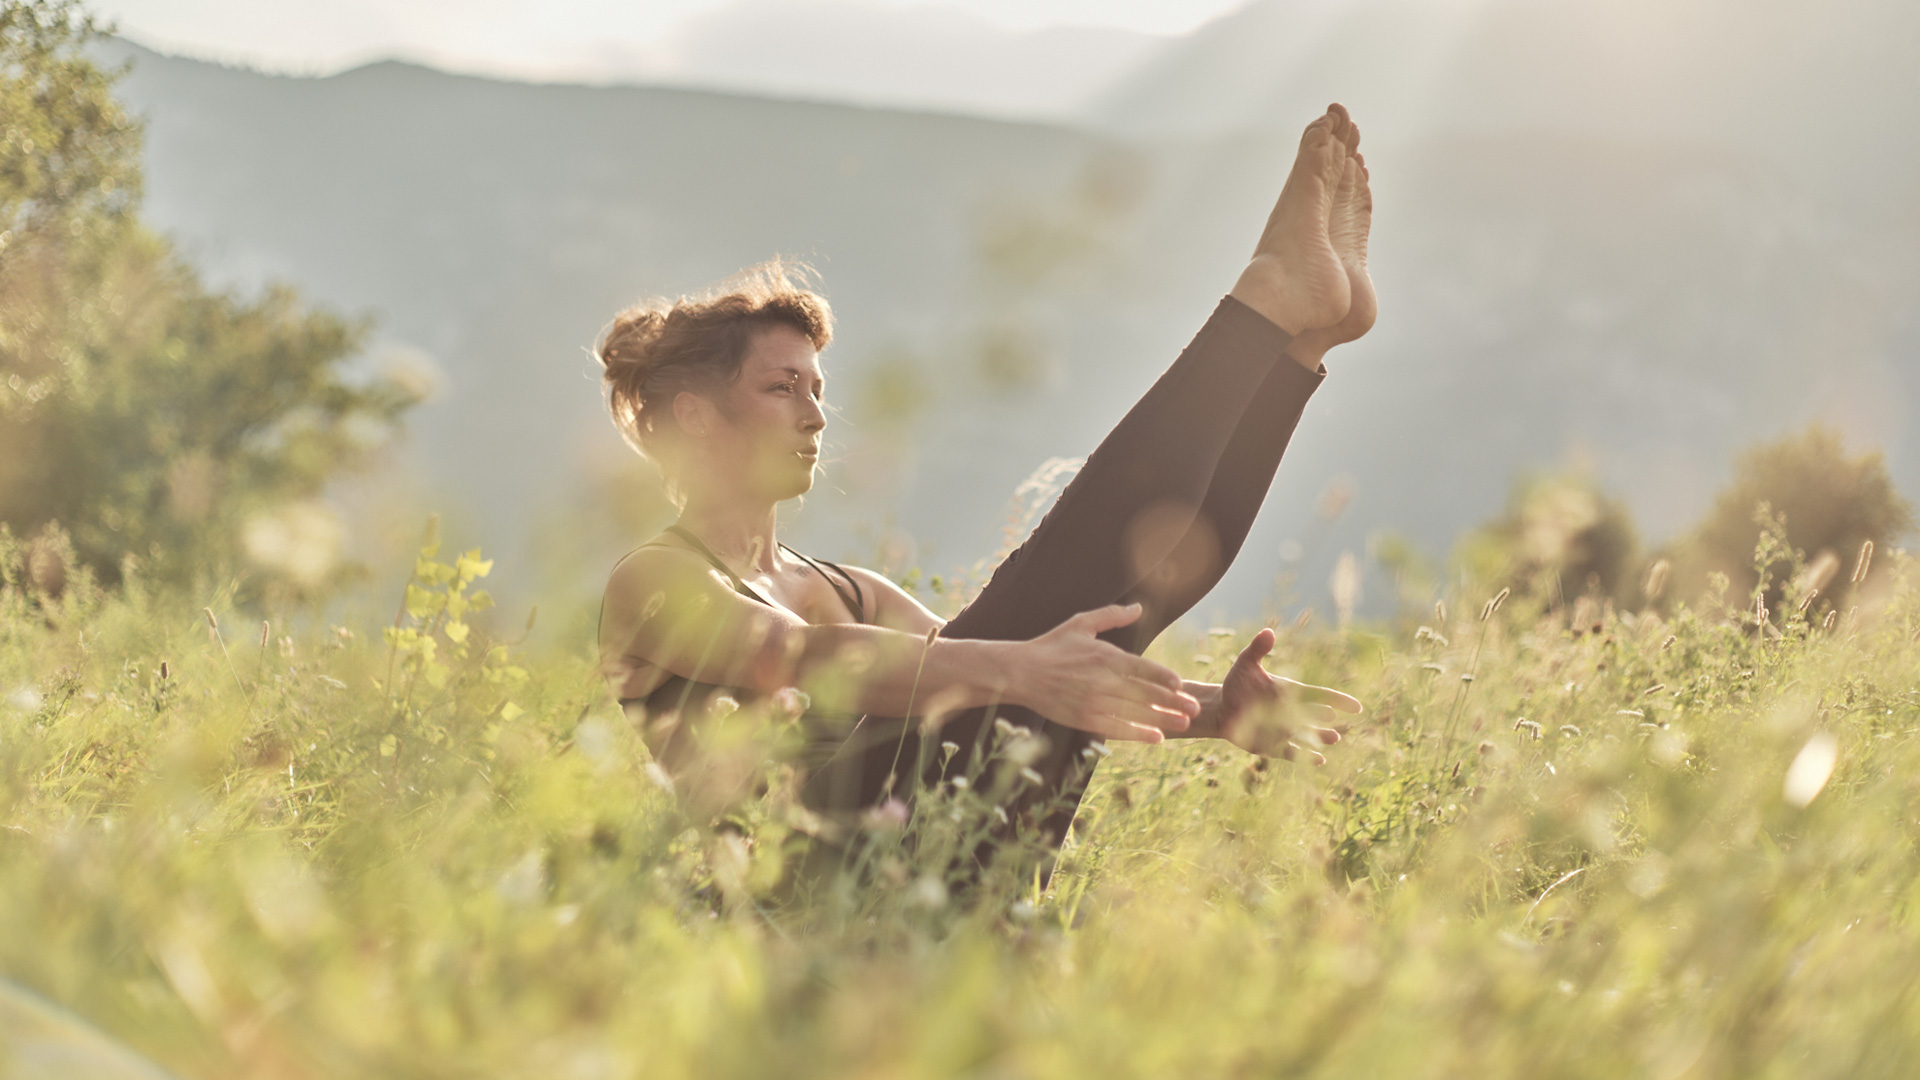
(330, 852)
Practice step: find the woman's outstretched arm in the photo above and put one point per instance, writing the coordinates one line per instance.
(668, 613)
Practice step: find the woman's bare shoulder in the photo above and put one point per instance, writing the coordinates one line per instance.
(892, 606)
(657, 574)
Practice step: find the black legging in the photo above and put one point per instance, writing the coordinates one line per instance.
(1194, 458)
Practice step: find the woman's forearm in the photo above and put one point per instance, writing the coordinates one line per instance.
(870, 669)
(1067, 674)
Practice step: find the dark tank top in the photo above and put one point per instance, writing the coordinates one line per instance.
(672, 706)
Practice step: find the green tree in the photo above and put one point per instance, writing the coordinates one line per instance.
(1833, 503)
(149, 418)
(1560, 537)
(68, 153)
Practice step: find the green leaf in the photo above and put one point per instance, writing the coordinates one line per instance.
(421, 604)
(471, 566)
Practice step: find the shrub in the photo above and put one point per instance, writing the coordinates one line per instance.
(148, 417)
(1832, 504)
(1560, 538)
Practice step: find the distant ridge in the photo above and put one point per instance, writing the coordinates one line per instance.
(920, 58)
(1803, 84)
(1645, 301)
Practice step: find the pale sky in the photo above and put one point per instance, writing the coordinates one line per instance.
(541, 37)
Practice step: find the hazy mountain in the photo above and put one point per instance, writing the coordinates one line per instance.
(847, 51)
(1645, 299)
(498, 226)
(929, 58)
(1637, 233)
(1815, 87)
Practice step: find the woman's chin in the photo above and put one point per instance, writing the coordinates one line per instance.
(798, 485)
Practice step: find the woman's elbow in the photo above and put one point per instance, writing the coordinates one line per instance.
(773, 660)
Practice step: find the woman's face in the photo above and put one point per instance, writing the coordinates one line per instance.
(767, 438)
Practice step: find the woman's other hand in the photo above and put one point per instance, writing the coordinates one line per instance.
(1074, 679)
(1273, 716)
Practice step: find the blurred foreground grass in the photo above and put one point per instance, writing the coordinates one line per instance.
(1631, 847)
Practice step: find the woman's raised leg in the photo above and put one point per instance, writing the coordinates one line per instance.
(1142, 489)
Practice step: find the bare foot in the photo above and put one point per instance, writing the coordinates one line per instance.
(1296, 278)
(1348, 228)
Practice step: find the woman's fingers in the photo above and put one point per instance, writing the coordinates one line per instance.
(1136, 711)
(1108, 726)
(1158, 696)
(1101, 620)
(1139, 667)
(1326, 735)
(1296, 752)
(1258, 648)
(1172, 710)
(1323, 695)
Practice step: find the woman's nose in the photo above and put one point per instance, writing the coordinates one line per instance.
(814, 419)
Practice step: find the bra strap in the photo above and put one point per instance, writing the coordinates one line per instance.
(739, 584)
(857, 603)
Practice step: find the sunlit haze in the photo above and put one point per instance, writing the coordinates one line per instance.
(554, 37)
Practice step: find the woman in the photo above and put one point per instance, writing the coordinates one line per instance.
(725, 395)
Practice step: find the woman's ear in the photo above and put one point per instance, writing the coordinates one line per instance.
(693, 413)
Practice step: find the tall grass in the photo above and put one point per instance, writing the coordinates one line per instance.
(336, 852)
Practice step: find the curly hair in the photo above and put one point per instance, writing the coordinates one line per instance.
(658, 348)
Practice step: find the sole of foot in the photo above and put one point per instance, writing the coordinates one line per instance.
(1296, 277)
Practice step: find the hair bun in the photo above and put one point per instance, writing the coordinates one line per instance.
(627, 346)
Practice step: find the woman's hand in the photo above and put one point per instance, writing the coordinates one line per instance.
(1074, 679)
(1258, 712)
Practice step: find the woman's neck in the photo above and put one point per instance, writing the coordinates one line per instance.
(739, 533)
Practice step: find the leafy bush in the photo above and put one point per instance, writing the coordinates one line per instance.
(1560, 538)
(190, 432)
(1827, 505)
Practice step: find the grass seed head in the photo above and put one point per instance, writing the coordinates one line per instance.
(1656, 583)
(1493, 605)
